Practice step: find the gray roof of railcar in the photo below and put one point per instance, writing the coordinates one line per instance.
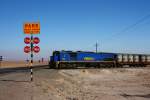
(109, 52)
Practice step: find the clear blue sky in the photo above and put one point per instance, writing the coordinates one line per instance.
(75, 25)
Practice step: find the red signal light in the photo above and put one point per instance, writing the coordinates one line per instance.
(36, 40)
(27, 49)
(36, 49)
(27, 40)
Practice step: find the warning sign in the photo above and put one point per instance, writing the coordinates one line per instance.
(31, 28)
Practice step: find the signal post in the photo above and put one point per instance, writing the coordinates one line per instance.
(31, 29)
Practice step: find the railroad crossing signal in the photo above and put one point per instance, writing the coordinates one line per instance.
(31, 41)
(31, 28)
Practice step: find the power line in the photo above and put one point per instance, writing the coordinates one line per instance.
(133, 25)
(129, 27)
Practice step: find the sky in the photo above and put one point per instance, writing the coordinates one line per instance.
(75, 25)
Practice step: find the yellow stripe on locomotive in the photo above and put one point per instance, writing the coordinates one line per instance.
(89, 58)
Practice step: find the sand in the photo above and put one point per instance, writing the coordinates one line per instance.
(77, 84)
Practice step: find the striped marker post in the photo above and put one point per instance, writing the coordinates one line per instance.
(31, 63)
(31, 71)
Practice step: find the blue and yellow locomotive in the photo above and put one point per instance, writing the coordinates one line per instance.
(70, 59)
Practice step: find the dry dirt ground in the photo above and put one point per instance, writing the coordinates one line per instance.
(77, 84)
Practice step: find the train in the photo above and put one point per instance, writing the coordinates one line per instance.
(86, 59)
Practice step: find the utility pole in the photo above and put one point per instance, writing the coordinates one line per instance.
(96, 45)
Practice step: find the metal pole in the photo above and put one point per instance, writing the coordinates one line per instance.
(31, 63)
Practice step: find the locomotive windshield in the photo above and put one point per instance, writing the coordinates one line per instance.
(56, 53)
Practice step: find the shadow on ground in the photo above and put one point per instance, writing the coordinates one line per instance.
(144, 96)
(14, 80)
(19, 69)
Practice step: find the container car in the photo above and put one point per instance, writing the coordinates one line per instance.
(132, 60)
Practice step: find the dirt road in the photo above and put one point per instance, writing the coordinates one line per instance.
(77, 84)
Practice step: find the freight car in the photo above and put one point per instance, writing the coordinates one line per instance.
(70, 59)
(134, 60)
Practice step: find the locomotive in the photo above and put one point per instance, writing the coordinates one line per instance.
(75, 59)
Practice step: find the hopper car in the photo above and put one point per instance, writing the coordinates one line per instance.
(71, 59)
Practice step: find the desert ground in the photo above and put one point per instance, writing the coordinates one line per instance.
(76, 84)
